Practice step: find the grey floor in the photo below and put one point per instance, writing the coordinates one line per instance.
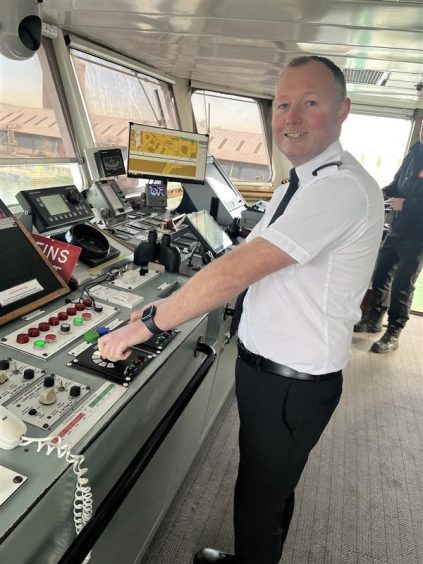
(359, 500)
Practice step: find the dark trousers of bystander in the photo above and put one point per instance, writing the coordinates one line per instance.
(397, 267)
(281, 420)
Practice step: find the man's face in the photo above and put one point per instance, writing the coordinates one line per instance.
(308, 113)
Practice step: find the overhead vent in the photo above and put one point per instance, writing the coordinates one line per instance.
(358, 76)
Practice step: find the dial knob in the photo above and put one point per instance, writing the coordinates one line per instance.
(73, 196)
(65, 328)
(4, 364)
(75, 391)
(28, 374)
(49, 381)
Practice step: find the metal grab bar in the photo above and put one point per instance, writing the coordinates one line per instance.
(87, 538)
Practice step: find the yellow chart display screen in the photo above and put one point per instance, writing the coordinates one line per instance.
(166, 153)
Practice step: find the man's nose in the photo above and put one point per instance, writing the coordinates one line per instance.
(294, 114)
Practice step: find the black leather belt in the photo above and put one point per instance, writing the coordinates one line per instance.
(280, 369)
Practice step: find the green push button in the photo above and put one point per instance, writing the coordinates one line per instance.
(91, 336)
(78, 320)
(39, 344)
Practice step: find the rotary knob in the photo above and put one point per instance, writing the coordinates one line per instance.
(48, 395)
(73, 196)
(75, 391)
(28, 374)
(4, 364)
(49, 381)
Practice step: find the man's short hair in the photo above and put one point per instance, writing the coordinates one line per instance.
(334, 69)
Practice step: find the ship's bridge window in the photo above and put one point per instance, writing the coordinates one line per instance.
(378, 142)
(237, 138)
(37, 149)
(115, 95)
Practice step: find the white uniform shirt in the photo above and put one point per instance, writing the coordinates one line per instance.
(303, 315)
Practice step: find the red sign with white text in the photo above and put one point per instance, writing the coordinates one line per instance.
(62, 256)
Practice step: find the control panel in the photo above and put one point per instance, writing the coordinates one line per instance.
(46, 336)
(53, 208)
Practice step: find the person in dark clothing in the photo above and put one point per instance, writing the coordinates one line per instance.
(400, 257)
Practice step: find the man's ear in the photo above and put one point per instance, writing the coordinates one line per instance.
(344, 109)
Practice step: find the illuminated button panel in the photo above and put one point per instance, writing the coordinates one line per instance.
(47, 336)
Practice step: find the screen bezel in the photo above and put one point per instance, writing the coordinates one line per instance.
(166, 178)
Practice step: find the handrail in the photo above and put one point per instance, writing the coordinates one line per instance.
(87, 538)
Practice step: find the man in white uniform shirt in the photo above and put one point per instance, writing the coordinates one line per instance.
(306, 275)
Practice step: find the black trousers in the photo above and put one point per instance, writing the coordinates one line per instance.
(398, 265)
(281, 421)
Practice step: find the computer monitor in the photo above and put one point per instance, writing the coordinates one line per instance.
(166, 154)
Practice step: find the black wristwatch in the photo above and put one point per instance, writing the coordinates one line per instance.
(148, 319)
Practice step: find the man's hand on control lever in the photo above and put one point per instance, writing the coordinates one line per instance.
(116, 345)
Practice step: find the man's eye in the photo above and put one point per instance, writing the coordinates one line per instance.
(311, 103)
(283, 106)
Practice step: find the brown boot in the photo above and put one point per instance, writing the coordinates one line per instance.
(388, 342)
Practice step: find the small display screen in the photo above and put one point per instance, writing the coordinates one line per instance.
(209, 232)
(111, 196)
(109, 162)
(54, 204)
(157, 190)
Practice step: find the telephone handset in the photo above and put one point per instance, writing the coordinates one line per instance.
(11, 429)
(93, 243)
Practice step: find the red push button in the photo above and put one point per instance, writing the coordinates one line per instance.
(33, 332)
(87, 302)
(71, 311)
(79, 307)
(86, 315)
(50, 337)
(54, 321)
(63, 316)
(44, 326)
(22, 338)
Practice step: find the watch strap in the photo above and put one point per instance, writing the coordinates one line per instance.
(149, 323)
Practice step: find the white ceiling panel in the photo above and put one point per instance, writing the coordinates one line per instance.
(243, 44)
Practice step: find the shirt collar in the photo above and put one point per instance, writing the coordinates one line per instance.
(331, 153)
